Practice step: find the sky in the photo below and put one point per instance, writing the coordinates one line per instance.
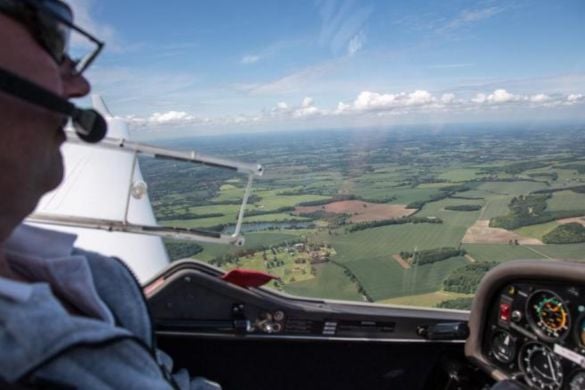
(183, 67)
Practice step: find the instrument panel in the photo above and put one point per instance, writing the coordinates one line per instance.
(536, 332)
(190, 298)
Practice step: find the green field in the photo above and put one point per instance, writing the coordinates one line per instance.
(495, 206)
(330, 282)
(253, 240)
(389, 240)
(511, 188)
(452, 218)
(424, 300)
(271, 200)
(504, 252)
(393, 168)
(383, 278)
(537, 231)
(563, 252)
(566, 200)
(459, 175)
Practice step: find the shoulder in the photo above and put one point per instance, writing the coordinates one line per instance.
(117, 286)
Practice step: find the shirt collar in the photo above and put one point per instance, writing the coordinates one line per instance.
(33, 241)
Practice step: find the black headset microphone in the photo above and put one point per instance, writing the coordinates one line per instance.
(89, 125)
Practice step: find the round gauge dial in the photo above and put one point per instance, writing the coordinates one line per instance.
(548, 315)
(577, 382)
(503, 346)
(541, 366)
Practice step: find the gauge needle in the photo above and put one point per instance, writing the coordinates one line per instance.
(552, 369)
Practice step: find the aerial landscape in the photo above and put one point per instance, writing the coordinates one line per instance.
(402, 216)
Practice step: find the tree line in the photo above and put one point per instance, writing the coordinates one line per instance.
(570, 233)
(430, 256)
(400, 221)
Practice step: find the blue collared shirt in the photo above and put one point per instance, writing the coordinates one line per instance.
(45, 256)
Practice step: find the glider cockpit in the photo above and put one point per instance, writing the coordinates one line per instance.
(526, 328)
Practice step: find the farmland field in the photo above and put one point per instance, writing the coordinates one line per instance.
(350, 198)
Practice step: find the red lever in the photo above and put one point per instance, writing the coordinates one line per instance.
(248, 278)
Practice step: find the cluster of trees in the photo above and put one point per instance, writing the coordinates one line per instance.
(221, 261)
(531, 210)
(553, 176)
(182, 250)
(354, 279)
(386, 199)
(464, 207)
(430, 256)
(467, 197)
(336, 198)
(374, 224)
(580, 189)
(569, 233)
(251, 250)
(467, 278)
(515, 168)
(324, 191)
(275, 263)
(512, 221)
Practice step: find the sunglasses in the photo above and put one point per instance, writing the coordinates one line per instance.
(51, 23)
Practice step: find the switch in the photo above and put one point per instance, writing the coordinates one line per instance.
(505, 310)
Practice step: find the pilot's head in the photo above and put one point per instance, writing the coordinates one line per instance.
(34, 44)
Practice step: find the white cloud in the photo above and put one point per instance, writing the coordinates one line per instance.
(372, 101)
(307, 108)
(170, 117)
(356, 43)
(447, 98)
(501, 96)
(540, 98)
(307, 102)
(250, 59)
(470, 16)
(479, 98)
(342, 23)
(367, 100)
(370, 104)
(418, 98)
(165, 119)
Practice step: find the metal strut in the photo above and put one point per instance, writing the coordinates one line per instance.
(178, 233)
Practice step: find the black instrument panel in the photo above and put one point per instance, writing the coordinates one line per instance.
(191, 298)
(535, 330)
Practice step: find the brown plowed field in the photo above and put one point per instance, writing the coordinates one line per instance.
(481, 233)
(360, 211)
(403, 263)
